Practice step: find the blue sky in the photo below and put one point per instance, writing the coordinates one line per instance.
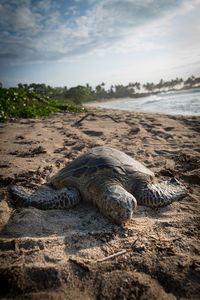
(71, 42)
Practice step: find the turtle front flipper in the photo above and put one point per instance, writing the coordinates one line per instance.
(115, 202)
(161, 194)
(46, 199)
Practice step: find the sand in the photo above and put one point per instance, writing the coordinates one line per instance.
(55, 254)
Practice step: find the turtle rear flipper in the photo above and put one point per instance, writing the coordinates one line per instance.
(46, 199)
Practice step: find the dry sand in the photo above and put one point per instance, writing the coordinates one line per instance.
(54, 254)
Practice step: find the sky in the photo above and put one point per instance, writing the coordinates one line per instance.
(75, 42)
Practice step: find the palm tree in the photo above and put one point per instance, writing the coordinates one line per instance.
(149, 86)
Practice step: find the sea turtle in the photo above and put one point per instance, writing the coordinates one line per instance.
(107, 177)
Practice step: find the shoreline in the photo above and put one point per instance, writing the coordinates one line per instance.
(187, 108)
(141, 95)
(106, 100)
(138, 95)
(96, 107)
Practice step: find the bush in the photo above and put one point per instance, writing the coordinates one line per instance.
(18, 102)
(78, 94)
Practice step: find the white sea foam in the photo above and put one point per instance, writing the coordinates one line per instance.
(186, 102)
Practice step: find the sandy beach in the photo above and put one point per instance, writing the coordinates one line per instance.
(55, 254)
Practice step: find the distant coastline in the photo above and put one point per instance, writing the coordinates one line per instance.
(181, 101)
(139, 95)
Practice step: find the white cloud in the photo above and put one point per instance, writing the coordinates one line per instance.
(44, 5)
(42, 32)
(24, 19)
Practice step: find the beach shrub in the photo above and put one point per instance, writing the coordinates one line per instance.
(78, 94)
(22, 103)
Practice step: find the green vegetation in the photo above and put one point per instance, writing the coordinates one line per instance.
(80, 94)
(34, 100)
(23, 103)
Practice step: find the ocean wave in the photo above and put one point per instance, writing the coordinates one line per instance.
(185, 102)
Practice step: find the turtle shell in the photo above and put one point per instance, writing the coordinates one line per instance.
(101, 159)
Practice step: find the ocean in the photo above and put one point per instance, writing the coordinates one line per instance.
(185, 102)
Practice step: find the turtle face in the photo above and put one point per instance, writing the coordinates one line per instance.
(123, 215)
(124, 211)
(118, 203)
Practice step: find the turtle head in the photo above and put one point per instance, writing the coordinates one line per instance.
(117, 203)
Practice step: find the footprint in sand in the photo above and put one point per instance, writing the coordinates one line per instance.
(134, 130)
(93, 132)
(168, 128)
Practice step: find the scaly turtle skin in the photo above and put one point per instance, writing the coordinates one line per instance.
(107, 177)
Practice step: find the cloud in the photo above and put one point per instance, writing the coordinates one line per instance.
(49, 30)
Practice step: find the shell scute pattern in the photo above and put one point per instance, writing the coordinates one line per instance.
(102, 159)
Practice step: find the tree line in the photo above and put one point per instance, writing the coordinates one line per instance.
(80, 94)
